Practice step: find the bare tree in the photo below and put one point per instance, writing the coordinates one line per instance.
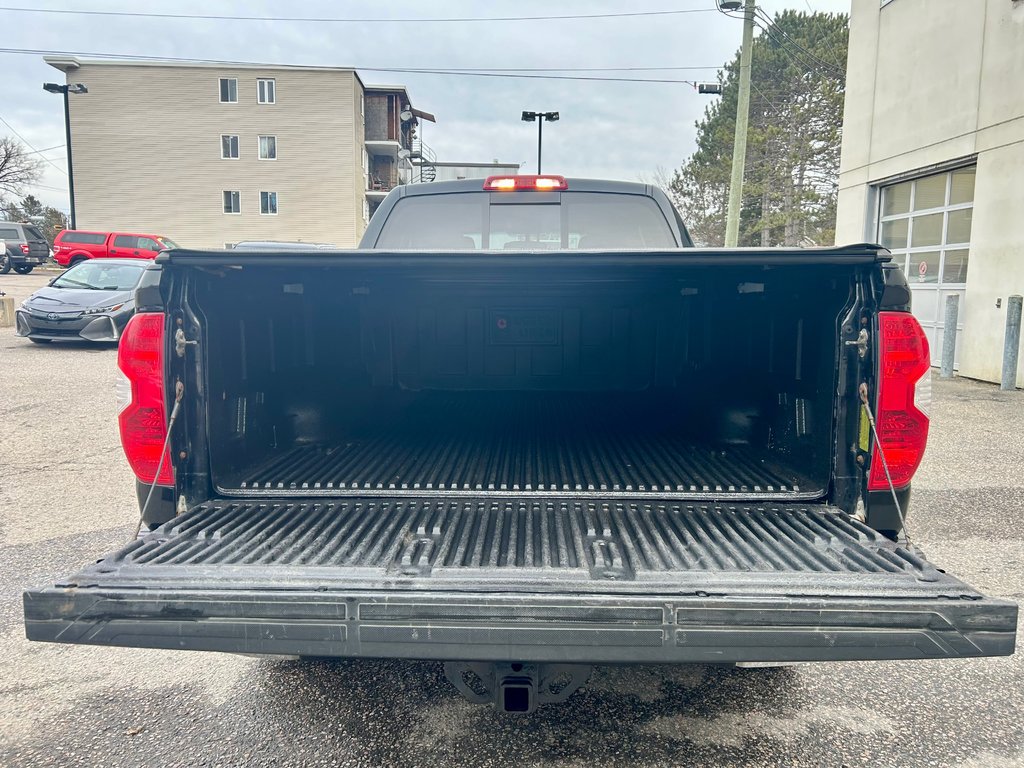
(17, 168)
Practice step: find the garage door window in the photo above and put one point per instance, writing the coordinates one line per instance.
(926, 223)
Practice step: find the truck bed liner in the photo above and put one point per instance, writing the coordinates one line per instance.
(475, 444)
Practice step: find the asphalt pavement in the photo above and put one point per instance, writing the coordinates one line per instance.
(66, 497)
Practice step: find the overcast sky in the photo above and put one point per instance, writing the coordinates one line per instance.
(623, 130)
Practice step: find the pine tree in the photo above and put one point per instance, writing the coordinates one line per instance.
(792, 164)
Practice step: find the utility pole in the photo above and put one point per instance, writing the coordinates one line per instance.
(739, 147)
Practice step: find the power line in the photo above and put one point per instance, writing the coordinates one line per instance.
(30, 146)
(765, 98)
(776, 37)
(325, 20)
(573, 69)
(790, 54)
(526, 76)
(401, 70)
(46, 149)
(834, 66)
(48, 188)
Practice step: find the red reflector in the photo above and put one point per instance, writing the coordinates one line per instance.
(521, 183)
(904, 361)
(143, 422)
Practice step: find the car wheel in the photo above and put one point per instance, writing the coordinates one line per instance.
(77, 260)
(39, 341)
(24, 269)
(5, 264)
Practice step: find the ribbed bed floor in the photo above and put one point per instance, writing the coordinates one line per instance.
(555, 444)
(541, 541)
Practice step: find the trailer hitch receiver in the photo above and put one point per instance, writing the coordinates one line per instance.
(516, 688)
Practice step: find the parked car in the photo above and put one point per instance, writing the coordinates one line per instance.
(24, 249)
(92, 301)
(524, 429)
(74, 245)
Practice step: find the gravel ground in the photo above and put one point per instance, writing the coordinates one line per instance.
(66, 496)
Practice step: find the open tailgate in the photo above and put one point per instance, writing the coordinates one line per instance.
(546, 580)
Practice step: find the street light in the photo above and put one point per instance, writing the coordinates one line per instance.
(66, 89)
(540, 117)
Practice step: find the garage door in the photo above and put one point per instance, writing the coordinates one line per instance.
(926, 223)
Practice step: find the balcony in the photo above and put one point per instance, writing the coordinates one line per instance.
(377, 187)
(382, 147)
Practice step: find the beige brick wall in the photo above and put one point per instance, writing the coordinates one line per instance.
(147, 153)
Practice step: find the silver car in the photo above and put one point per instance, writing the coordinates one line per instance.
(92, 301)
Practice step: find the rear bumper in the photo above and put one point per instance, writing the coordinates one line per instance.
(21, 260)
(584, 629)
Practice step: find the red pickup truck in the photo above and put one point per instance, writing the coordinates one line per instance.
(74, 245)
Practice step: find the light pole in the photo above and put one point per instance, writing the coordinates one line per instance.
(540, 117)
(66, 89)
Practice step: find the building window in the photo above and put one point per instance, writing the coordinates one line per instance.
(228, 147)
(232, 201)
(228, 90)
(366, 210)
(926, 223)
(266, 91)
(268, 203)
(268, 148)
(362, 104)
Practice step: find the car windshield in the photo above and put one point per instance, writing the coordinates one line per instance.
(100, 276)
(480, 220)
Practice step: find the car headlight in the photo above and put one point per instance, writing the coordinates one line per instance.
(101, 310)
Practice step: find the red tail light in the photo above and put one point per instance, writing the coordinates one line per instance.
(904, 395)
(524, 183)
(143, 416)
(24, 247)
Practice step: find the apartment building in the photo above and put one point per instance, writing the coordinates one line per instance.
(933, 160)
(213, 154)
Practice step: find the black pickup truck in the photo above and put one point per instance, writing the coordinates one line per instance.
(525, 428)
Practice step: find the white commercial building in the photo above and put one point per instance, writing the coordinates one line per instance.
(933, 159)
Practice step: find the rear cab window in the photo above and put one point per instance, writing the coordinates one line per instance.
(91, 238)
(526, 222)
